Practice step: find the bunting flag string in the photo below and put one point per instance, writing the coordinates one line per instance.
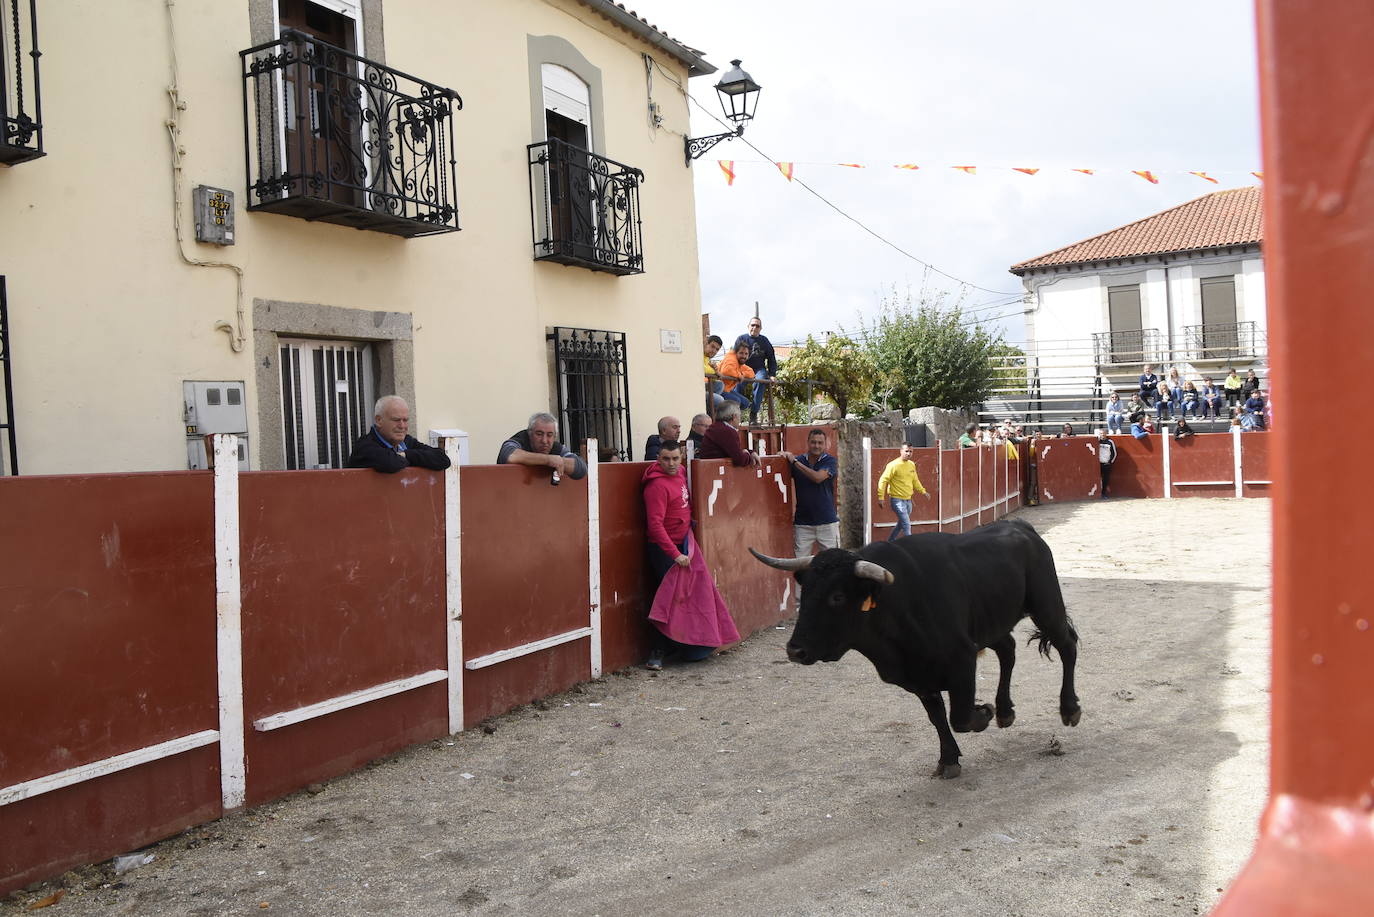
(788, 170)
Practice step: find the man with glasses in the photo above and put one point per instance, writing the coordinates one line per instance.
(761, 360)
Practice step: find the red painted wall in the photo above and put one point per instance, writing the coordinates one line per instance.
(524, 566)
(1139, 468)
(925, 515)
(1203, 457)
(343, 589)
(1254, 463)
(624, 610)
(1069, 469)
(108, 647)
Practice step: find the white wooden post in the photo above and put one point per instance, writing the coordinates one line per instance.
(594, 553)
(453, 584)
(868, 489)
(939, 486)
(229, 624)
(1235, 455)
(1168, 469)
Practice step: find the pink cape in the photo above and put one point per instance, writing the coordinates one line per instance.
(688, 607)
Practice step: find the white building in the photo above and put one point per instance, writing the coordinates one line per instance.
(1183, 288)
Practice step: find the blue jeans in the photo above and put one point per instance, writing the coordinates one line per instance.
(758, 393)
(903, 510)
(1113, 423)
(736, 397)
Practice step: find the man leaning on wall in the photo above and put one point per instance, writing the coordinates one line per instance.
(537, 445)
(813, 478)
(388, 447)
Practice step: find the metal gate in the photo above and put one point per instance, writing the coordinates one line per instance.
(326, 393)
(593, 390)
(12, 465)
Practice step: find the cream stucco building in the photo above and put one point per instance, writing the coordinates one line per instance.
(388, 235)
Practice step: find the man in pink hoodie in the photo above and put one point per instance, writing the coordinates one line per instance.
(689, 613)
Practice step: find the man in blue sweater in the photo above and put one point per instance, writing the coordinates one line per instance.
(761, 360)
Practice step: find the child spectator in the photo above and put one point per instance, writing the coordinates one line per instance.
(1190, 402)
(1211, 399)
(1162, 402)
(1232, 385)
(1182, 430)
(1114, 411)
(1254, 409)
(1135, 410)
(1066, 430)
(1175, 390)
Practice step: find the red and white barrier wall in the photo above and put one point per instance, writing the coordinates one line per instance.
(1205, 465)
(181, 645)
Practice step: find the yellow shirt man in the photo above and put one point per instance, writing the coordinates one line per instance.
(899, 482)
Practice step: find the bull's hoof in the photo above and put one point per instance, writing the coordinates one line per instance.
(1071, 719)
(947, 771)
(1004, 721)
(982, 715)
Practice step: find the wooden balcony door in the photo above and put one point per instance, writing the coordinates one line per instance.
(322, 126)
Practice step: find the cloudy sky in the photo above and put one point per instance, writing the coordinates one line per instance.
(1164, 85)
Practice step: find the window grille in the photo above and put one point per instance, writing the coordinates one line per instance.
(593, 390)
(327, 395)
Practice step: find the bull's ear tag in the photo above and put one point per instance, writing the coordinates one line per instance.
(868, 604)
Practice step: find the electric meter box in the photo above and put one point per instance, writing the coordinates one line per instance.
(214, 407)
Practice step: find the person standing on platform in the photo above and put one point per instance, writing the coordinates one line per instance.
(813, 477)
(900, 483)
(762, 360)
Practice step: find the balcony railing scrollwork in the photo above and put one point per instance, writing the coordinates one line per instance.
(21, 105)
(584, 209)
(338, 138)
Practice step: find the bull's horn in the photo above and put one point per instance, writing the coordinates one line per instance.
(784, 563)
(869, 570)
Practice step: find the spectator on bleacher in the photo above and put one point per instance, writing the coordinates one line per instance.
(1149, 385)
(899, 484)
(1018, 434)
(1182, 430)
(1162, 401)
(1211, 398)
(1142, 428)
(721, 439)
(1175, 390)
(709, 351)
(733, 371)
(1254, 409)
(1190, 401)
(1135, 409)
(1115, 409)
(1250, 385)
(1232, 385)
(970, 437)
(1066, 430)
(761, 359)
(1106, 457)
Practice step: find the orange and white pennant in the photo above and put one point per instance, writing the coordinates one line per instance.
(1147, 175)
(851, 165)
(1205, 177)
(1085, 171)
(1026, 171)
(906, 165)
(1259, 175)
(970, 170)
(728, 167)
(785, 168)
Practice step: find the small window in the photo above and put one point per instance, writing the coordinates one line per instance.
(234, 396)
(212, 396)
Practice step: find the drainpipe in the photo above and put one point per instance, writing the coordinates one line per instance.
(1169, 314)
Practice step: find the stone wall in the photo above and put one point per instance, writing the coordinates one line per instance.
(941, 425)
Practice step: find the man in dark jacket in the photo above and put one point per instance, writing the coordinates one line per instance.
(1149, 386)
(721, 439)
(761, 360)
(668, 428)
(538, 445)
(1106, 457)
(388, 448)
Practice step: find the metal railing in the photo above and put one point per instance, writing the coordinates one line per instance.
(584, 209)
(21, 107)
(1141, 346)
(338, 138)
(1222, 341)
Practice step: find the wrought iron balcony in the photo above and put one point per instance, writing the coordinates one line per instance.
(338, 138)
(584, 209)
(1142, 346)
(21, 106)
(1223, 341)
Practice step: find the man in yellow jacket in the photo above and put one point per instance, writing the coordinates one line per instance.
(900, 484)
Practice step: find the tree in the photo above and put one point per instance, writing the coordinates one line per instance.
(838, 368)
(1009, 368)
(931, 357)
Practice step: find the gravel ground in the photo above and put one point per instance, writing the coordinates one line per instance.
(746, 785)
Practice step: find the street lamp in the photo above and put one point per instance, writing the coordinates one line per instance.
(739, 96)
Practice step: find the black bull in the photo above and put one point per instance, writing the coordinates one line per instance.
(922, 607)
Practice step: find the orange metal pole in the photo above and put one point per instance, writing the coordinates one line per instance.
(1316, 849)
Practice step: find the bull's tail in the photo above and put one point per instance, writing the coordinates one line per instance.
(1045, 641)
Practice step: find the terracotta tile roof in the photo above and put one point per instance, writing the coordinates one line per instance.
(697, 65)
(1231, 217)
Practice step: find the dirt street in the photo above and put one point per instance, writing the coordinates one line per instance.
(748, 785)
